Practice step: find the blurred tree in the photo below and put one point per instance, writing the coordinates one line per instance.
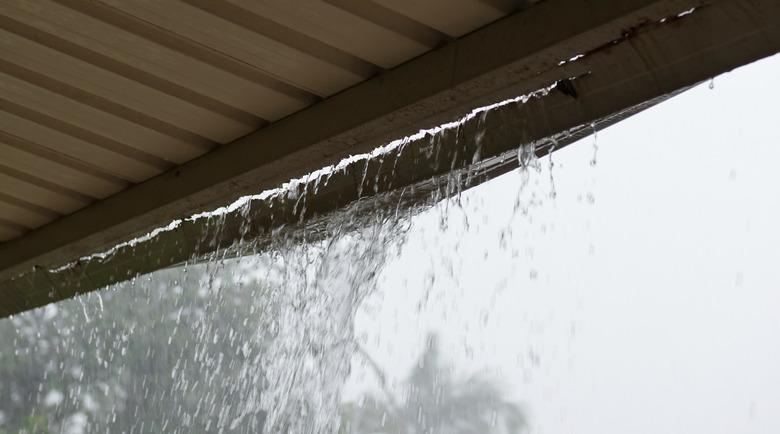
(435, 403)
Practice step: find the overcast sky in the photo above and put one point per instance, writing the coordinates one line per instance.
(644, 298)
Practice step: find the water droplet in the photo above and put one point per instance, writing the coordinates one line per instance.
(593, 160)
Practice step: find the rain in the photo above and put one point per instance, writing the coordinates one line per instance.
(625, 282)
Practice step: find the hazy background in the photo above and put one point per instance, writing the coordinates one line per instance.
(644, 298)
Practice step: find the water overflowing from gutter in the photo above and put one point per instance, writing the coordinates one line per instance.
(253, 336)
(510, 307)
(260, 343)
(256, 331)
(384, 318)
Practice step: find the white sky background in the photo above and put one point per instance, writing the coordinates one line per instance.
(644, 298)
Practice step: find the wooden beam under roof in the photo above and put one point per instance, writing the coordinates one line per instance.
(634, 51)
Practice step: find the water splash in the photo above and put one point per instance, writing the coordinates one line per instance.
(551, 165)
(314, 293)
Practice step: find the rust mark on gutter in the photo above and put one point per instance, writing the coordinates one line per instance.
(566, 85)
(633, 31)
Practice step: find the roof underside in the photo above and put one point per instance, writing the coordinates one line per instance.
(98, 96)
(117, 117)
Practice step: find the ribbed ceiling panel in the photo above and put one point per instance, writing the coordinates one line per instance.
(96, 96)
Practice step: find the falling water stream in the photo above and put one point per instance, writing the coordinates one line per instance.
(520, 305)
(226, 345)
(256, 338)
